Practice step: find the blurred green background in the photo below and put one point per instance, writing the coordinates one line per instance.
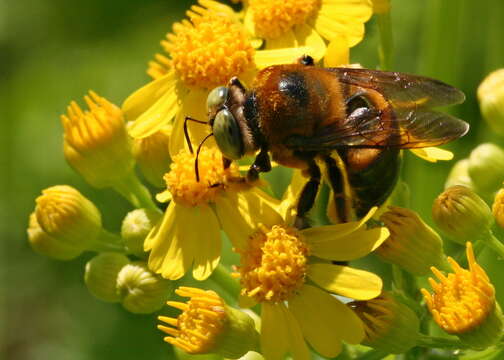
(53, 51)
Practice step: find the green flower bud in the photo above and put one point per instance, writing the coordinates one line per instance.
(498, 208)
(142, 291)
(101, 275)
(412, 244)
(136, 226)
(153, 157)
(491, 99)
(208, 325)
(459, 175)
(390, 325)
(64, 223)
(486, 168)
(461, 214)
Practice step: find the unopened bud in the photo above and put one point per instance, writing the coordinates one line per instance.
(136, 226)
(101, 275)
(486, 168)
(459, 175)
(461, 214)
(491, 99)
(498, 208)
(142, 291)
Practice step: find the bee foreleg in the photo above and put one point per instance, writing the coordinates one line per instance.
(306, 60)
(308, 195)
(261, 164)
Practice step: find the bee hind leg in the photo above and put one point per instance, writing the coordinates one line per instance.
(308, 195)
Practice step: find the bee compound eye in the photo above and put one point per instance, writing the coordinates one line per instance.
(216, 98)
(227, 135)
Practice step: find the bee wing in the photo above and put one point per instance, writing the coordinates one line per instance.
(414, 128)
(402, 90)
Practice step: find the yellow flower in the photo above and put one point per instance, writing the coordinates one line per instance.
(279, 269)
(189, 233)
(96, 143)
(433, 154)
(204, 51)
(208, 325)
(289, 23)
(463, 303)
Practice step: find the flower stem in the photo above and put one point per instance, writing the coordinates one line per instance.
(108, 241)
(386, 41)
(494, 244)
(135, 192)
(372, 355)
(223, 278)
(440, 342)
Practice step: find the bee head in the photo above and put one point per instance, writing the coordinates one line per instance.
(225, 128)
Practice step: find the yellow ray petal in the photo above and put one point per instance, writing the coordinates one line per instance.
(239, 213)
(161, 229)
(280, 333)
(208, 244)
(264, 58)
(248, 22)
(350, 247)
(286, 40)
(291, 196)
(307, 36)
(325, 321)
(194, 106)
(164, 196)
(433, 154)
(338, 52)
(346, 281)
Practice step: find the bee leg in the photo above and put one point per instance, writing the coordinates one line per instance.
(306, 60)
(308, 195)
(336, 181)
(261, 164)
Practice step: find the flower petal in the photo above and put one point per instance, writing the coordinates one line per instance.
(433, 154)
(208, 244)
(346, 248)
(164, 196)
(338, 52)
(325, 321)
(280, 333)
(160, 230)
(248, 22)
(307, 36)
(346, 281)
(286, 40)
(291, 196)
(239, 213)
(264, 58)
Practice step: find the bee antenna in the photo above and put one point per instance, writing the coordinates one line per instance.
(196, 169)
(186, 133)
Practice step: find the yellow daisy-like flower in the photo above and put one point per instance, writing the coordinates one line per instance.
(288, 23)
(281, 268)
(203, 52)
(189, 233)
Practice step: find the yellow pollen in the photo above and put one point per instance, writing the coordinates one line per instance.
(461, 300)
(206, 51)
(274, 265)
(272, 18)
(181, 180)
(202, 321)
(93, 128)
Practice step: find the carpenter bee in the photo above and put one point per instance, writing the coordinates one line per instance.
(349, 122)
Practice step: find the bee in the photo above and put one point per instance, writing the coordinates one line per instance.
(349, 122)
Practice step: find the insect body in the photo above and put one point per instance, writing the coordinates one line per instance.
(351, 121)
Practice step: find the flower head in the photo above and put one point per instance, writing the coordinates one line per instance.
(101, 273)
(463, 303)
(498, 208)
(486, 167)
(189, 233)
(491, 99)
(277, 270)
(208, 325)
(96, 144)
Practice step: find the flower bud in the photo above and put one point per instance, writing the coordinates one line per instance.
(491, 99)
(96, 144)
(412, 244)
(208, 325)
(498, 208)
(136, 226)
(142, 291)
(390, 325)
(101, 275)
(64, 223)
(461, 214)
(459, 175)
(486, 167)
(153, 157)
(463, 303)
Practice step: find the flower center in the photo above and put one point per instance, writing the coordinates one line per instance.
(202, 320)
(181, 180)
(463, 299)
(208, 50)
(272, 18)
(274, 265)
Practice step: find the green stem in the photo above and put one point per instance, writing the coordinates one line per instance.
(440, 342)
(135, 192)
(372, 355)
(386, 41)
(494, 244)
(223, 278)
(108, 241)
